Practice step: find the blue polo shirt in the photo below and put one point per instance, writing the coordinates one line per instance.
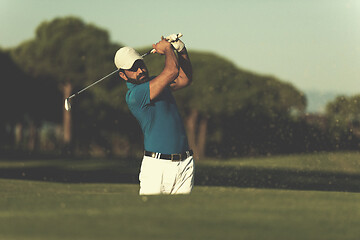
(159, 119)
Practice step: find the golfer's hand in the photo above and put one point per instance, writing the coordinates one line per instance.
(176, 42)
(162, 46)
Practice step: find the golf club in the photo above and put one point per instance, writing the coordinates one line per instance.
(67, 100)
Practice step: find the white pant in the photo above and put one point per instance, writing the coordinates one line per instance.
(159, 176)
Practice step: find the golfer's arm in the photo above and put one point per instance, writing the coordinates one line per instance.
(168, 75)
(185, 72)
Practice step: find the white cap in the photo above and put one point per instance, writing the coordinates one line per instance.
(125, 57)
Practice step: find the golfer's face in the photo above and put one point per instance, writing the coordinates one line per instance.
(138, 73)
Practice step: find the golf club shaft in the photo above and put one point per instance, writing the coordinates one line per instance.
(147, 53)
(67, 100)
(77, 93)
(117, 70)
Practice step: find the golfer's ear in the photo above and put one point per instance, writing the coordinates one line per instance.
(122, 75)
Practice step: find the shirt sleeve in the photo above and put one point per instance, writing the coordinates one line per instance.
(140, 95)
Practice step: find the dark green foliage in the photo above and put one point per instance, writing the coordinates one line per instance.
(244, 113)
(66, 50)
(24, 100)
(248, 113)
(343, 116)
(220, 87)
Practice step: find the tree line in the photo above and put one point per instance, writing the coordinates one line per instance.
(227, 111)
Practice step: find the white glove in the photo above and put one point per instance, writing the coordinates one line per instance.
(175, 41)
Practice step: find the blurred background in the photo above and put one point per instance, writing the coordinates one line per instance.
(270, 77)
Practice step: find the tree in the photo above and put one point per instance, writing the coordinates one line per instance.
(343, 115)
(69, 52)
(221, 90)
(13, 90)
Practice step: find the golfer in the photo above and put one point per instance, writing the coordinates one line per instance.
(167, 166)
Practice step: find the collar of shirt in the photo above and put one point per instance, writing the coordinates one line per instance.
(130, 85)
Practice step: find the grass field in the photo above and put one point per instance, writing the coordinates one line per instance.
(314, 196)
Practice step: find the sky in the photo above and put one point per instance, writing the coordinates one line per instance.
(312, 44)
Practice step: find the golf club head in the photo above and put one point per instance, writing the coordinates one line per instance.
(67, 104)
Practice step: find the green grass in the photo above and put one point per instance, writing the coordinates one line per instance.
(341, 162)
(41, 210)
(111, 210)
(322, 171)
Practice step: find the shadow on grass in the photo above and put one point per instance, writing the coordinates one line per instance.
(74, 171)
(277, 179)
(245, 177)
